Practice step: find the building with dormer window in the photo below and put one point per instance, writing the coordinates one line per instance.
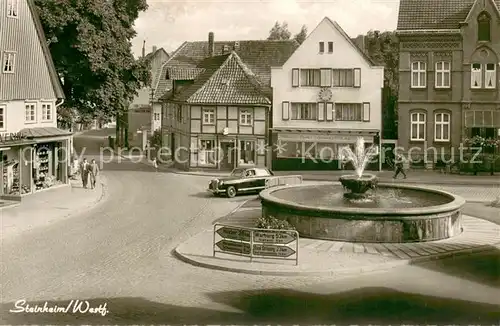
(449, 61)
(325, 95)
(35, 153)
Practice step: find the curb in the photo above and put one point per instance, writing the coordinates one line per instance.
(319, 178)
(347, 271)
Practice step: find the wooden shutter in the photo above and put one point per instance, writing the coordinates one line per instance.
(357, 77)
(285, 108)
(366, 112)
(295, 77)
(321, 111)
(329, 111)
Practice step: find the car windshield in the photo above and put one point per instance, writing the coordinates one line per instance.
(237, 172)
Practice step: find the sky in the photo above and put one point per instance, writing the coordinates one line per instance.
(168, 23)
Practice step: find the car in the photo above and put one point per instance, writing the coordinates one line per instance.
(241, 180)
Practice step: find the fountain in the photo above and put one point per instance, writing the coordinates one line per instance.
(363, 210)
(359, 184)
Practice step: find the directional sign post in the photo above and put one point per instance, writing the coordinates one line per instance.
(256, 243)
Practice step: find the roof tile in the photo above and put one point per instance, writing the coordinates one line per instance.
(225, 80)
(432, 14)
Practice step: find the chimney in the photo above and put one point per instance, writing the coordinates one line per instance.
(143, 48)
(225, 49)
(154, 48)
(360, 42)
(236, 45)
(211, 45)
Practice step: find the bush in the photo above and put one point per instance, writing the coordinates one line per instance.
(271, 222)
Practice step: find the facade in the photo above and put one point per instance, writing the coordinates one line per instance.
(449, 57)
(325, 95)
(144, 117)
(35, 153)
(220, 120)
(185, 68)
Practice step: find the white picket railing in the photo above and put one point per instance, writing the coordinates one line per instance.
(283, 180)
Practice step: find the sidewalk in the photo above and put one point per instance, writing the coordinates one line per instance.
(415, 176)
(49, 206)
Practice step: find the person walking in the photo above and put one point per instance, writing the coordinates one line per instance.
(155, 164)
(399, 167)
(84, 172)
(93, 172)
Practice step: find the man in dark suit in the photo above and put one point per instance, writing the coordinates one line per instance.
(84, 172)
(93, 172)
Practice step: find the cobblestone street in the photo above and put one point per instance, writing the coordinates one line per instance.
(120, 253)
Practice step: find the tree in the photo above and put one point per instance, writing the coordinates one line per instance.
(301, 36)
(279, 32)
(90, 44)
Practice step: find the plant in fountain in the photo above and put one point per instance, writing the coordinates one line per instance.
(359, 183)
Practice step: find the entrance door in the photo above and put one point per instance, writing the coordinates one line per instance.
(227, 156)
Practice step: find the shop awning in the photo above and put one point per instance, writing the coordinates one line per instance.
(327, 131)
(33, 133)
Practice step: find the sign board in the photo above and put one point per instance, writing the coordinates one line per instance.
(258, 243)
(311, 137)
(234, 247)
(272, 250)
(273, 237)
(234, 234)
(12, 136)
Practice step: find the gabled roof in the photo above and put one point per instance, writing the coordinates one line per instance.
(259, 56)
(154, 53)
(54, 76)
(432, 14)
(225, 80)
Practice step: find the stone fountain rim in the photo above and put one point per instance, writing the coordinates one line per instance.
(455, 204)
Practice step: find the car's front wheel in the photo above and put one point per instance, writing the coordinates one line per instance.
(231, 191)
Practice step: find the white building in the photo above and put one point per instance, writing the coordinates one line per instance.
(326, 95)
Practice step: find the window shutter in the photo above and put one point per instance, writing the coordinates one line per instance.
(321, 111)
(285, 107)
(366, 112)
(329, 111)
(357, 77)
(295, 77)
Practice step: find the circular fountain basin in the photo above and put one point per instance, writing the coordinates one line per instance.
(393, 213)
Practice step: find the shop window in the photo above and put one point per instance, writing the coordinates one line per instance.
(247, 152)
(286, 149)
(207, 153)
(326, 152)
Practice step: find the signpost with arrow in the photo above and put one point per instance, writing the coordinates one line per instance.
(256, 243)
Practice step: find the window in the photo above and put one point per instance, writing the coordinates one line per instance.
(442, 127)
(304, 111)
(330, 47)
(490, 76)
(156, 117)
(343, 78)
(247, 152)
(2, 117)
(476, 76)
(483, 27)
(46, 112)
(443, 74)
(178, 112)
(295, 77)
(326, 77)
(310, 77)
(417, 126)
(12, 8)
(30, 112)
(208, 116)
(348, 111)
(207, 152)
(418, 74)
(9, 62)
(245, 118)
(321, 47)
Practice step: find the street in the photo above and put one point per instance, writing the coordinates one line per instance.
(120, 254)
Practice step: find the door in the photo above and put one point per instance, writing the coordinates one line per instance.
(227, 156)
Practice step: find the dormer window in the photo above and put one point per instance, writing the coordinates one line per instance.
(483, 27)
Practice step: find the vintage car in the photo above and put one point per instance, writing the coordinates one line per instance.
(241, 180)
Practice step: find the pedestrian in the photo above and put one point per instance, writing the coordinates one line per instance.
(93, 172)
(399, 167)
(84, 172)
(155, 164)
